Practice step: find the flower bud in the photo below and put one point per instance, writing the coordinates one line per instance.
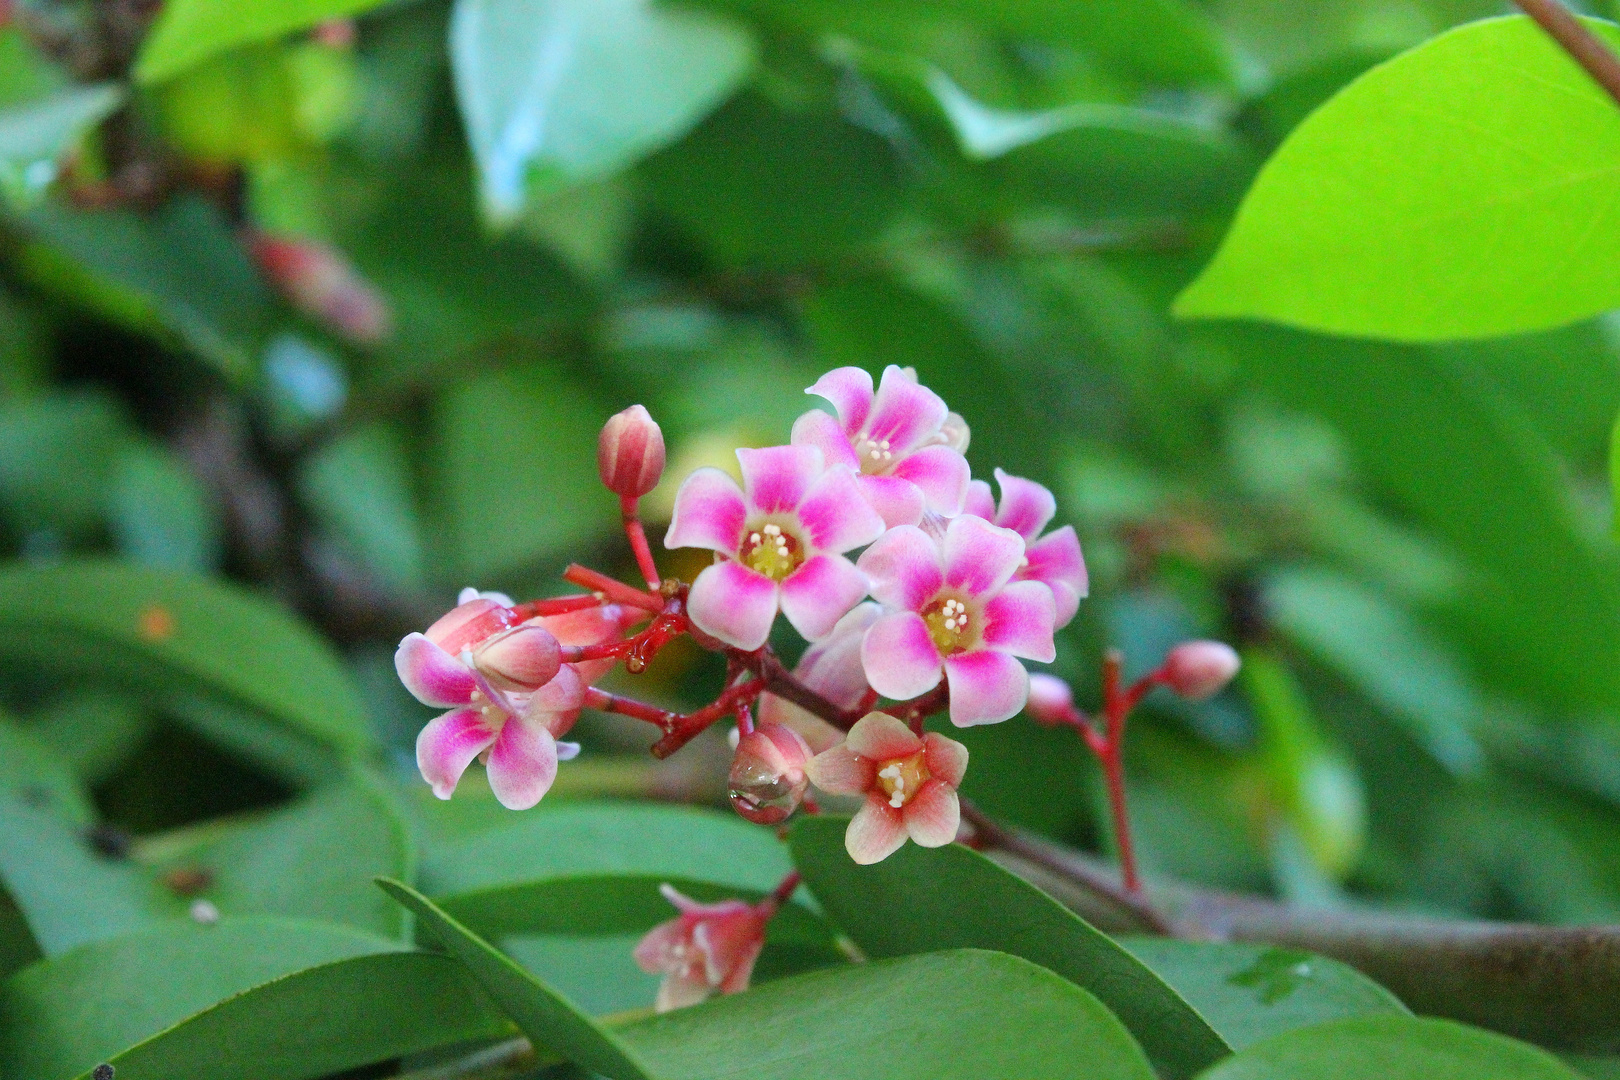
(630, 453)
(320, 282)
(1050, 699)
(1199, 669)
(767, 780)
(523, 658)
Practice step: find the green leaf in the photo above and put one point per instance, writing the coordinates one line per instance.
(161, 515)
(961, 1015)
(545, 1016)
(555, 92)
(32, 773)
(921, 899)
(167, 631)
(1391, 1048)
(360, 488)
(1463, 189)
(34, 136)
(241, 1000)
(1252, 992)
(188, 32)
(57, 455)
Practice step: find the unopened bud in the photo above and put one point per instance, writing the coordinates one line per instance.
(1199, 669)
(1050, 699)
(334, 34)
(523, 658)
(630, 453)
(767, 780)
(320, 282)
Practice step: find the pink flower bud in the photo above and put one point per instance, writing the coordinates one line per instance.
(630, 453)
(1199, 669)
(767, 780)
(319, 281)
(707, 948)
(335, 34)
(1050, 700)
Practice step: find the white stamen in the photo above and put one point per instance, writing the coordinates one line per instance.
(753, 538)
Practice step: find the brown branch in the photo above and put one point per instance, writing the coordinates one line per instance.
(1575, 39)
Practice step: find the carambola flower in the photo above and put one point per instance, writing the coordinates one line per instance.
(708, 948)
(953, 610)
(903, 441)
(767, 782)
(909, 781)
(780, 539)
(1054, 559)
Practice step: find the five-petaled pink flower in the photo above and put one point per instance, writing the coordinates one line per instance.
(909, 781)
(707, 948)
(953, 609)
(906, 445)
(1054, 560)
(466, 662)
(780, 539)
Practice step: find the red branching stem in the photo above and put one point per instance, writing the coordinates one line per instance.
(613, 589)
(781, 894)
(602, 701)
(683, 729)
(1117, 705)
(557, 605)
(630, 508)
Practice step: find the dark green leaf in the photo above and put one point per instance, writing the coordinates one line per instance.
(161, 514)
(360, 488)
(32, 773)
(919, 900)
(1390, 1048)
(1251, 992)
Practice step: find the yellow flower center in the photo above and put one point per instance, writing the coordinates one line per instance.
(773, 551)
(902, 778)
(950, 625)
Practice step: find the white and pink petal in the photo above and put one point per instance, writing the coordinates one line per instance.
(933, 815)
(877, 736)
(899, 656)
(841, 771)
(941, 474)
(777, 478)
(433, 676)
(978, 557)
(904, 413)
(946, 759)
(876, 832)
(903, 568)
(710, 512)
(850, 391)
(733, 603)
(819, 593)
(522, 763)
(987, 687)
(448, 744)
(1020, 620)
(897, 501)
(836, 515)
(825, 433)
(1025, 507)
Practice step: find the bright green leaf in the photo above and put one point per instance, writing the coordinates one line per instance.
(168, 631)
(1391, 1048)
(555, 92)
(242, 1000)
(1251, 992)
(188, 32)
(34, 136)
(919, 900)
(1463, 189)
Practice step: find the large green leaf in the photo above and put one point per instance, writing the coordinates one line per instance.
(961, 1015)
(191, 31)
(1391, 1048)
(169, 631)
(34, 136)
(1463, 189)
(919, 900)
(546, 1017)
(241, 1000)
(1251, 992)
(559, 91)
(32, 774)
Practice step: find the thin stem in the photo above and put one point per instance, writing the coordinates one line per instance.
(1575, 39)
(688, 727)
(1117, 705)
(557, 605)
(629, 507)
(782, 893)
(614, 590)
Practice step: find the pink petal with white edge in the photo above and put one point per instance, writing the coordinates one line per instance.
(433, 676)
(904, 412)
(688, 906)
(876, 832)
(877, 736)
(522, 763)
(933, 815)
(841, 771)
(946, 759)
(1019, 620)
(733, 603)
(987, 687)
(1056, 561)
(819, 593)
(980, 502)
(941, 473)
(832, 667)
(850, 391)
(680, 989)
(818, 429)
(900, 658)
(903, 568)
(710, 512)
(979, 557)
(1026, 506)
(836, 514)
(470, 594)
(448, 744)
(897, 500)
(776, 479)
(658, 951)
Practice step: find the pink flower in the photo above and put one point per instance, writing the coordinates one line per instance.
(909, 781)
(1054, 560)
(707, 948)
(832, 668)
(781, 541)
(318, 280)
(953, 609)
(481, 635)
(767, 782)
(903, 441)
